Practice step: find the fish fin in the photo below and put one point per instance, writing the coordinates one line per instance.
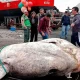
(2, 71)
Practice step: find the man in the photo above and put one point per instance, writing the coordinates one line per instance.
(44, 28)
(26, 25)
(75, 37)
(41, 14)
(65, 21)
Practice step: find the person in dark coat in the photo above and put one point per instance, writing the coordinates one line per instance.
(65, 21)
(34, 24)
(75, 37)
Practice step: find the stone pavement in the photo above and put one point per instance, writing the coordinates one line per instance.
(8, 37)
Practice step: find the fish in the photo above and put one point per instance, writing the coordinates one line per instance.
(37, 59)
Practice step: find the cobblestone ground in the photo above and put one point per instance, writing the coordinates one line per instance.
(8, 37)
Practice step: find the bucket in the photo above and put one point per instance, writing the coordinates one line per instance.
(13, 29)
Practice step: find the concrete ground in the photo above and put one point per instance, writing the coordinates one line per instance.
(8, 37)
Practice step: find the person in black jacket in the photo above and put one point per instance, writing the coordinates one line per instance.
(34, 24)
(65, 21)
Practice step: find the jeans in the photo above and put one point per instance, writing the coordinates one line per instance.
(64, 31)
(44, 37)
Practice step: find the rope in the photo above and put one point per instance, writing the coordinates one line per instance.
(2, 62)
(11, 78)
(3, 66)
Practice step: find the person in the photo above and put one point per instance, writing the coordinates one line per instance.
(25, 24)
(65, 21)
(34, 24)
(53, 22)
(10, 23)
(44, 28)
(41, 14)
(75, 27)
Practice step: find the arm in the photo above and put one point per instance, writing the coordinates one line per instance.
(40, 25)
(62, 19)
(77, 21)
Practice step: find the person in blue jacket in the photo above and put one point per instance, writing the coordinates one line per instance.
(65, 21)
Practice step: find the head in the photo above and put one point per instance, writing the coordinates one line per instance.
(66, 13)
(75, 10)
(41, 11)
(47, 16)
(33, 14)
(52, 12)
(26, 12)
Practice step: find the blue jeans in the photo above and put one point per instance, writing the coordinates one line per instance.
(46, 35)
(65, 30)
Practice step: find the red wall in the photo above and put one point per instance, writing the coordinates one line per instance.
(14, 5)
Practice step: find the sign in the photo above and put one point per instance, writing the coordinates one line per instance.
(4, 1)
(14, 3)
(43, 2)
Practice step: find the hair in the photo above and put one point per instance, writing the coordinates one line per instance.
(41, 9)
(76, 9)
(33, 12)
(66, 11)
(48, 15)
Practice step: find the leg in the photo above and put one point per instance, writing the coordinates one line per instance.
(63, 32)
(46, 36)
(66, 30)
(26, 35)
(77, 39)
(32, 36)
(73, 39)
(36, 35)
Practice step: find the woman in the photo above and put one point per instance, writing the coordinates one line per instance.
(34, 23)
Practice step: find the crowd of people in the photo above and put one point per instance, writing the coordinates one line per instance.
(41, 23)
(36, 23)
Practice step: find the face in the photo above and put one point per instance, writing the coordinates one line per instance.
(41, 11)
(73, 11)
(48, 18)
(33, 15)
(26, 13)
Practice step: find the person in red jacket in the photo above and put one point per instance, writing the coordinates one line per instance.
(44, 28)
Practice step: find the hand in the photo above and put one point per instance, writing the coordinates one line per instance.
(25, 27)
(72, 25)
(43, 34)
